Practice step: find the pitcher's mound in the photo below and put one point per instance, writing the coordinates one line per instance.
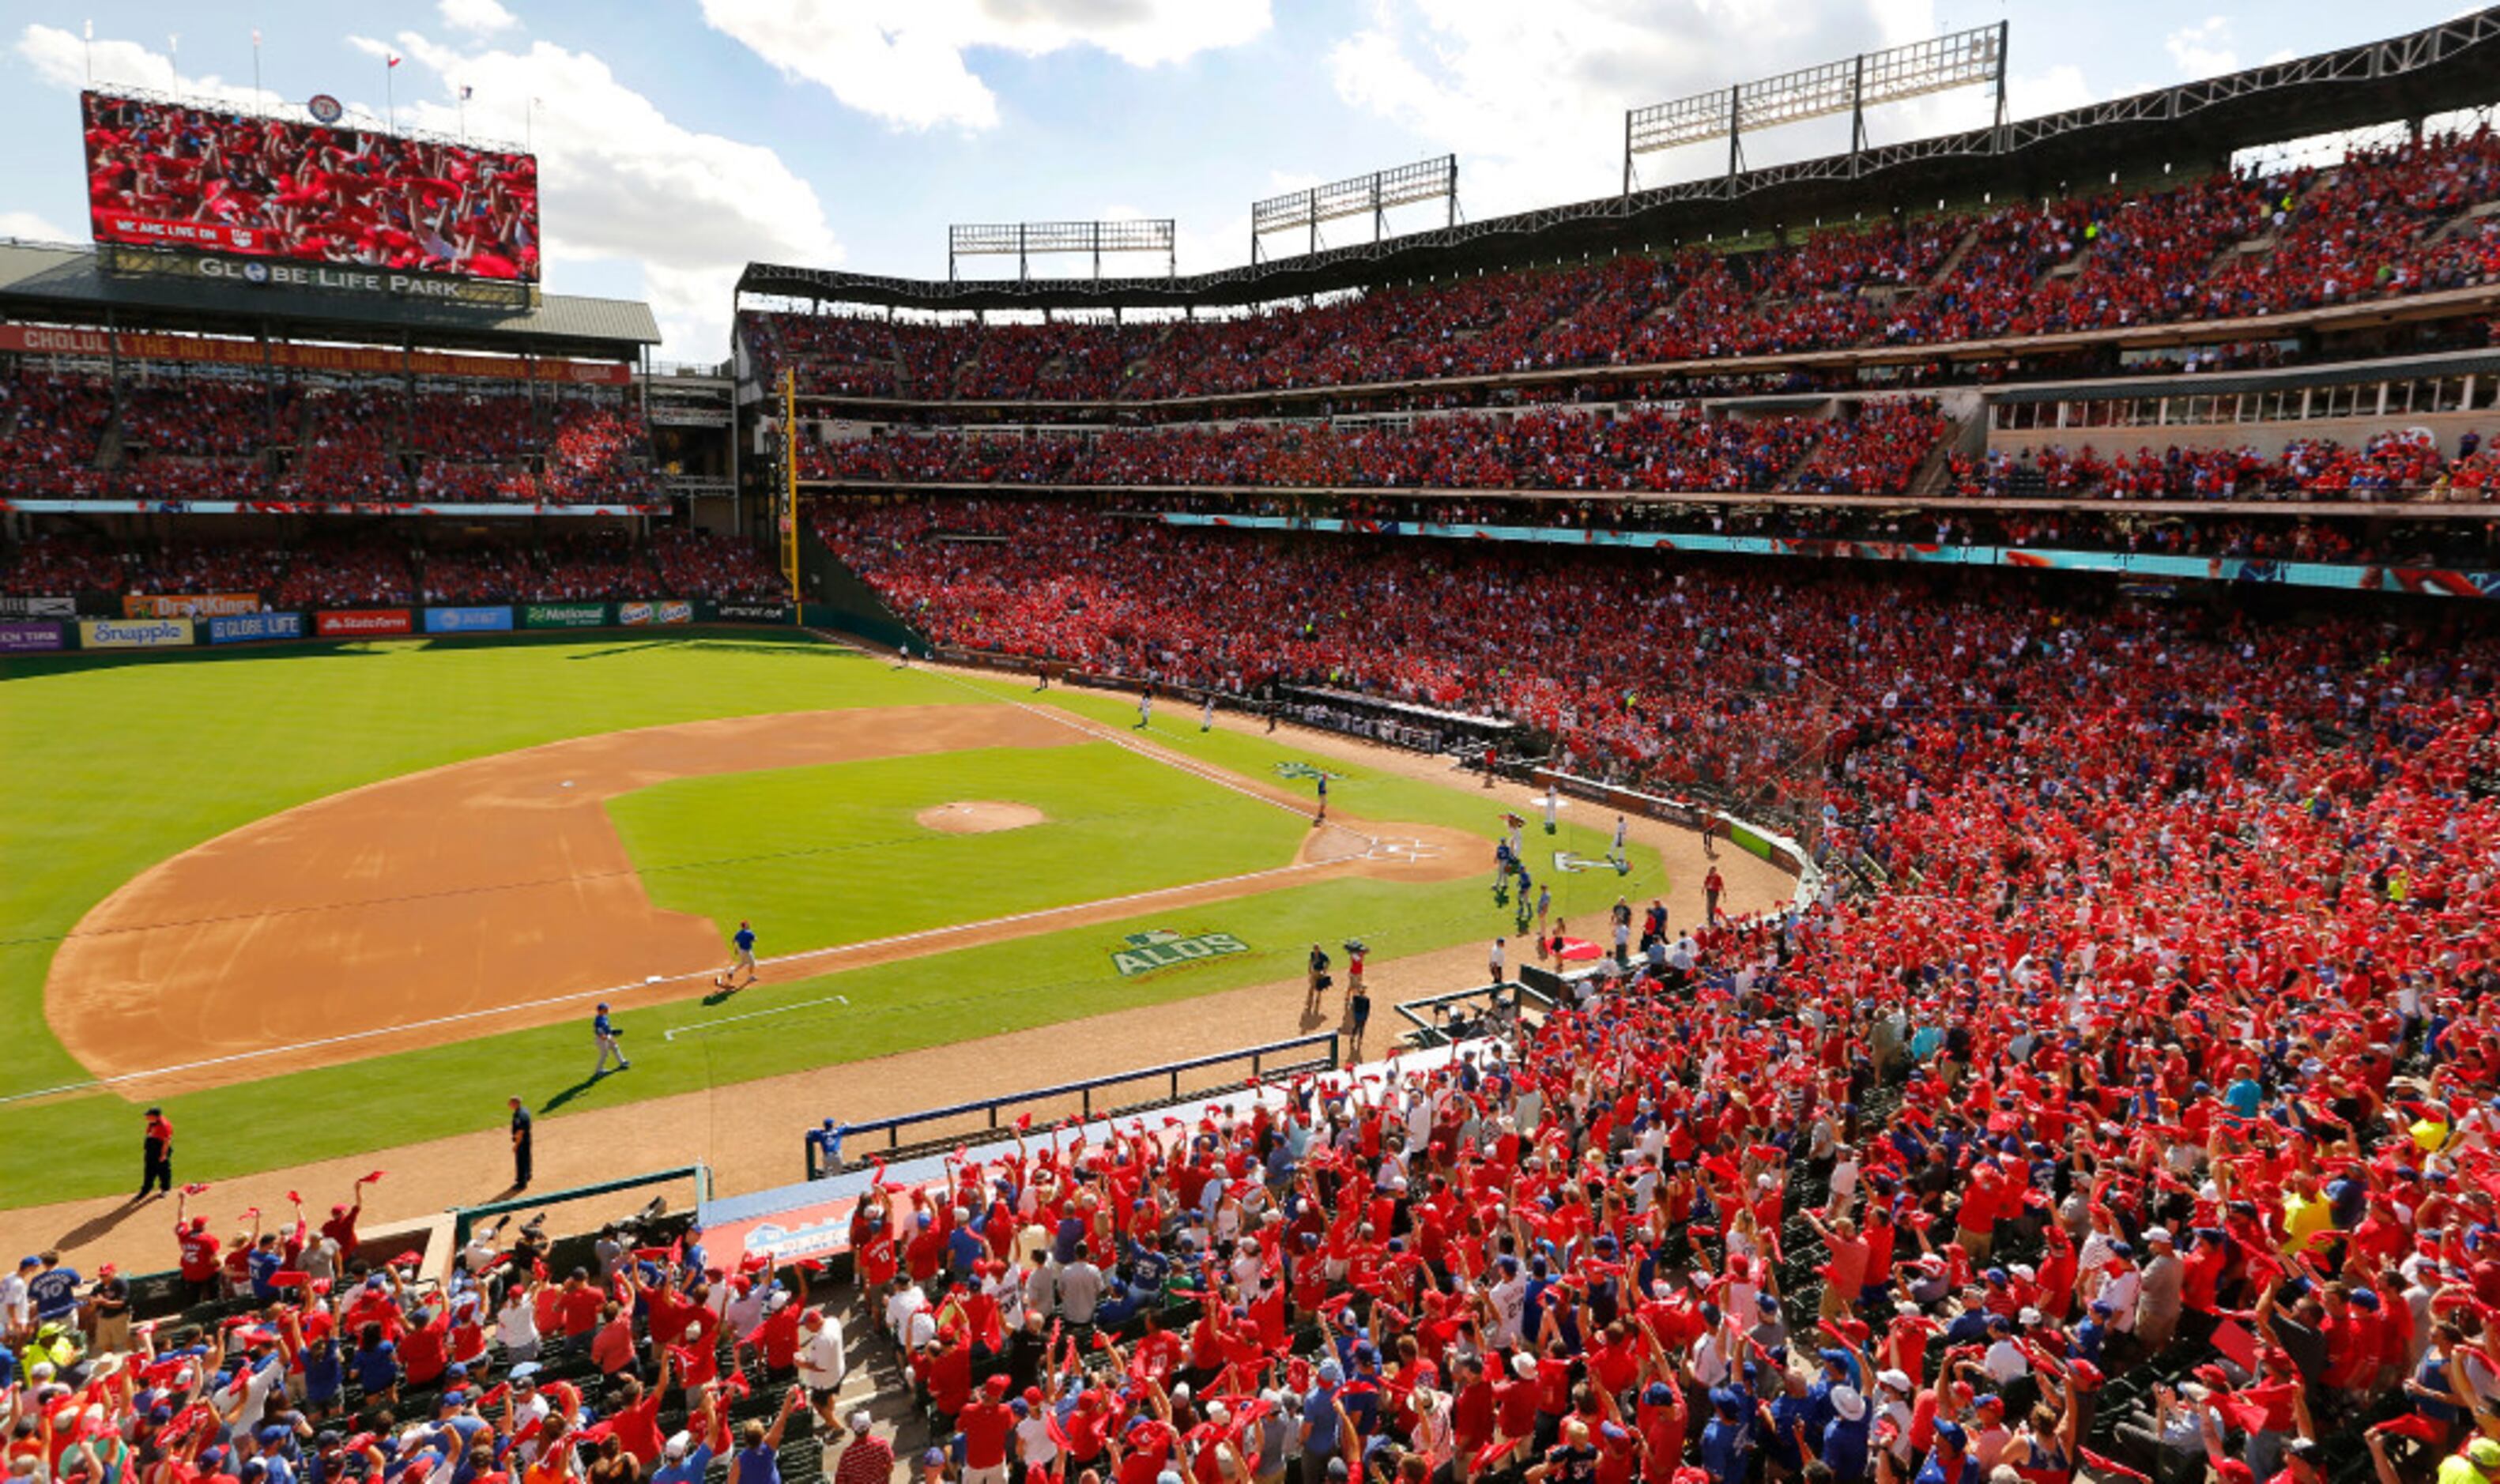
(978, 816)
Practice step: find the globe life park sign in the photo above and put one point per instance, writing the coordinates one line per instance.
(286, 276)
(331, 278)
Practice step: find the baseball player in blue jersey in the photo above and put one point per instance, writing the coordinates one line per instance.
(605, 1032)
(744, 939)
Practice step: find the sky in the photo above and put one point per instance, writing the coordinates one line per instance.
(679, 139)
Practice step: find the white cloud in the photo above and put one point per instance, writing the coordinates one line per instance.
(904, 62)
(2203, 50)
(1533, 96)
(623, 183)
(62, 59)
(478, 18)
(26, 227)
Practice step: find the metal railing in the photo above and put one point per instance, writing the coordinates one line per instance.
(1434, 1030)
(464, 1218)
(1262, 1060)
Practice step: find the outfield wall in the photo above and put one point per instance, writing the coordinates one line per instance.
(200, 623)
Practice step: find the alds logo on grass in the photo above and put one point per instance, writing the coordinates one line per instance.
(1299, 771)
(1573, 863)
(1146, 952)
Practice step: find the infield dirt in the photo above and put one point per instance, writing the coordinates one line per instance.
(494, 894)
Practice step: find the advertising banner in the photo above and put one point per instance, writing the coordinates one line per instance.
(468, 620)
(637, 614)
(452, 510)
(239, 628)
(358, 623)
(188, 605)
(151, 346)
(37, 608)
(565, 615)
(752, 612)
(805, 1232)
(134, 633)
(29, 637)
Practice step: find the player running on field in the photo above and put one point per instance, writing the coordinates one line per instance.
(744, 939)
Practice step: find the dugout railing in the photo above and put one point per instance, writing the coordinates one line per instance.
(1441, 1020)
(906, 1134)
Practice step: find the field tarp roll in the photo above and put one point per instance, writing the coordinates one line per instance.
(1749, 841)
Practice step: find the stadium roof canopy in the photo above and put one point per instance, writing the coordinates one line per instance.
(2192, 128)
(68, 286)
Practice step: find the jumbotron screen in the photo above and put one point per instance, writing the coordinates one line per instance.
(174, 175)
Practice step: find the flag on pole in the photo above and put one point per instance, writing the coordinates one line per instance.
(467, 92)
(392, 62)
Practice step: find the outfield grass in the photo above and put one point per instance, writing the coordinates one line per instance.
(117, 766)
(826, 855)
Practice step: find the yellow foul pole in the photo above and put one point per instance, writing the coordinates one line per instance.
(789, 501)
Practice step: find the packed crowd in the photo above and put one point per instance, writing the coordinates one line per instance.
(2387, 221)
(1642, 449)
(225, 438)
(2397, 465)
(2141, 1126)
(338, 569)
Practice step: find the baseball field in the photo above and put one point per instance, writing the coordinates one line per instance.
(327, 900)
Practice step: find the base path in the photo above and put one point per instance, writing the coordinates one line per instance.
(493, 895)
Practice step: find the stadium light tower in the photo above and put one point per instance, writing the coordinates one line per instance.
(1025, 241)
(1939, 64)
(1372, 195)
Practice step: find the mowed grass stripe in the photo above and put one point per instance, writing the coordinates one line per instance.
(831, 854)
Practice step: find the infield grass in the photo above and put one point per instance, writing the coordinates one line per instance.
(826, 855)
(115, 766)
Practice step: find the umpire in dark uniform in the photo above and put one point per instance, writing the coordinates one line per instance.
(156, 1156)
(520, 1146)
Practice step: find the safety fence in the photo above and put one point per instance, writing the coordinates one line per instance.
(935, 1127)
